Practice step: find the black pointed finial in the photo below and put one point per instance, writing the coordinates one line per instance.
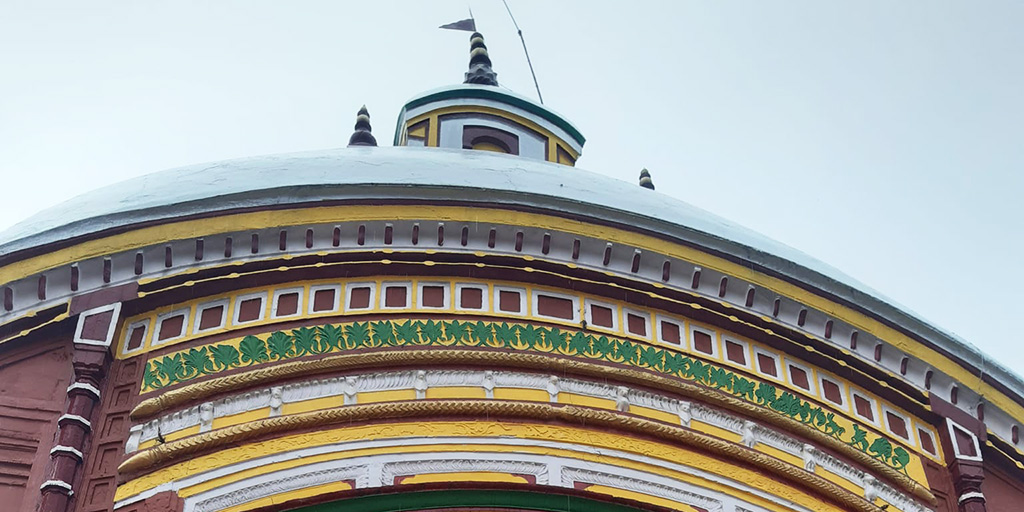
(362, 135)
(480, 71)
(645, 179)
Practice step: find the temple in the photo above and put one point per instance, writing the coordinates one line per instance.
(466, 321)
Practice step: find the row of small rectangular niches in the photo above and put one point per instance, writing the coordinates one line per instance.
(55, 286)
(252, 307)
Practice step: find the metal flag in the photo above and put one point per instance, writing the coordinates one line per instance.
(468, 24)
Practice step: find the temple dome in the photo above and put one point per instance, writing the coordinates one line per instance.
(420, 174)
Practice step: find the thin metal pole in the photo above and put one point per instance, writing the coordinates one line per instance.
(527, 52)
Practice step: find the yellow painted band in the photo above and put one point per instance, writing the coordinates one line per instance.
(264, 219)
(709, 464)
(277, 499)
(433, 115)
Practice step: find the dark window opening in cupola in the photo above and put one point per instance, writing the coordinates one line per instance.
(418, 134)
(486, 138)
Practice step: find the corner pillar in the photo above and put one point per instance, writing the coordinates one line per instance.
(90, 360)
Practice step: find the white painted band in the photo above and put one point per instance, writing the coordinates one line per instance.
(67, 449)
(75, 418)
(970, 496)
(57, 483)
(85, 386)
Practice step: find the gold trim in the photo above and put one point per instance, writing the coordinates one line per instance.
(550, 151)
(920, 400)
(300, 216)
(30, 330)
(481, 408)
(391, 359)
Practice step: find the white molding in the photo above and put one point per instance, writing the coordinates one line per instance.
(683, 344)
(407, 285)
(147, 332)
(60, 484)
(301, 291)
(115, 320)
(485, 298)
(200, 308)
(370, 304)
(269, 484)
(75, 418)
(970, 496)
(574, 300)
(85, 386)
(524, 302)
(246, 297)
(588, 315)
(748, 353)
(951, 425)
(67, 449)
(347, 389)
(715, 349)
(366, 465)
(649, 487)
(185, 323)
(335, 308)
(446, 300)
(392, 470)
(648, 319)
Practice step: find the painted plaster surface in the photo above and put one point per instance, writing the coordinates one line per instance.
(281, 346)
(437, 174)
(546, 439)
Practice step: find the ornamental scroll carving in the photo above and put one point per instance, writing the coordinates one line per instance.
(212, 359)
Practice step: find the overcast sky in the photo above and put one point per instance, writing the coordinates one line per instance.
(884, 138)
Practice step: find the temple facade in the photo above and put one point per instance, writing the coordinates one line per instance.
(467, 321)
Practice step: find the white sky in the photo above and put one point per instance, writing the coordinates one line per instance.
(884, 138)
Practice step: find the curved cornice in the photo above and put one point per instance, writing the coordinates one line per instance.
(200, 443)
(390, 359)
(432, 176)
(505, 96)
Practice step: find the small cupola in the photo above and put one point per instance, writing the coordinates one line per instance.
(479, 115)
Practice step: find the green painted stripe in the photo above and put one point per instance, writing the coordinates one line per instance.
(497, 95)
(426, 500)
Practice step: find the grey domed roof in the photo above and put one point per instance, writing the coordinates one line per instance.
(406, 173)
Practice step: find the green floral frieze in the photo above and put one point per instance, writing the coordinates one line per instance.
(330, 339)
